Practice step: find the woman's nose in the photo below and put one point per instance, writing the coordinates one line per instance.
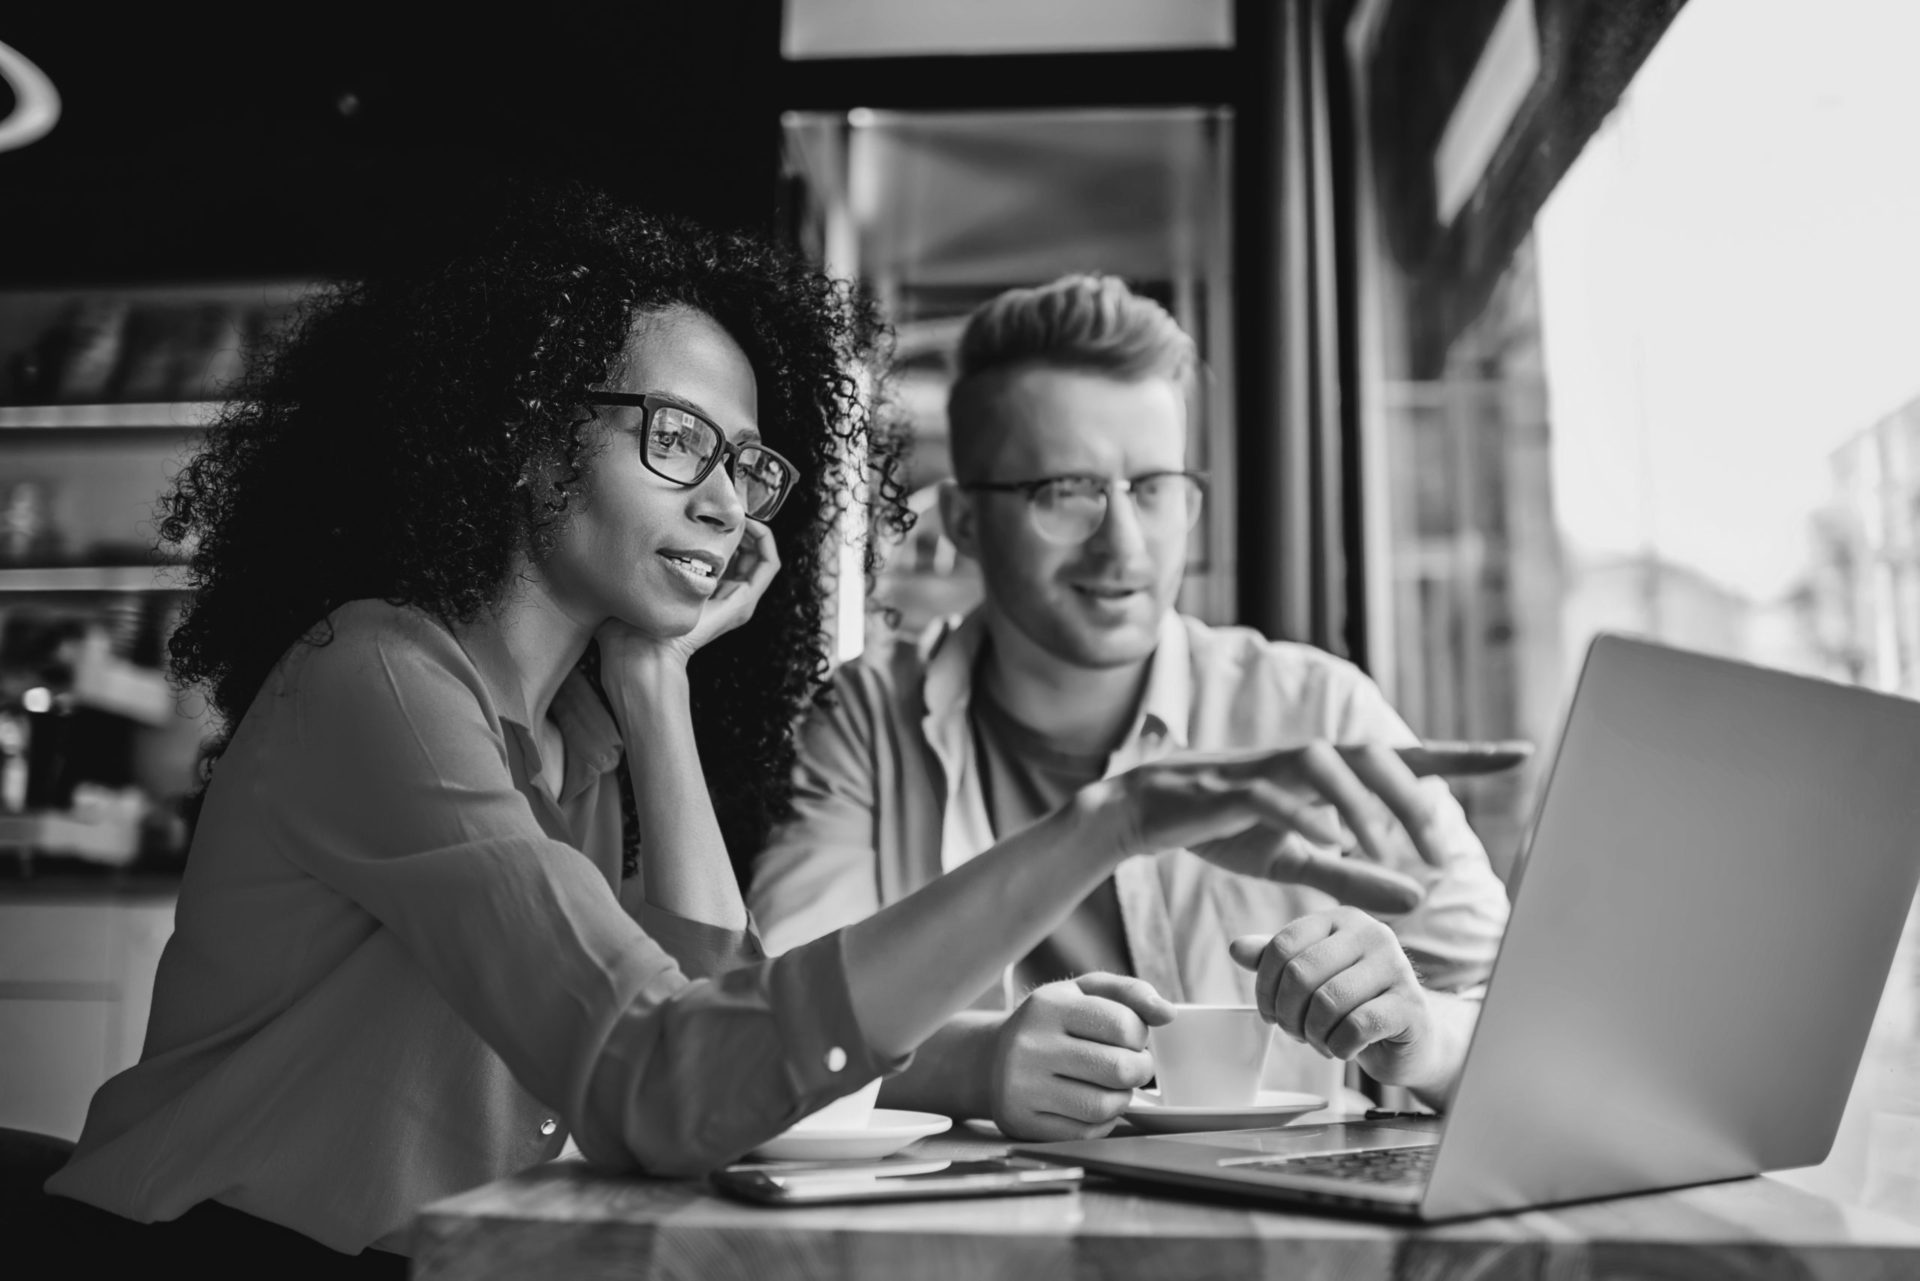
(716, 500)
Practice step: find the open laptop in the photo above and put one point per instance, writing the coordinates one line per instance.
(1717, 876)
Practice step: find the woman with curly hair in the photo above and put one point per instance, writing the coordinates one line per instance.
(485, 564)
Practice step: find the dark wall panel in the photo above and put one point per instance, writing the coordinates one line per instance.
(276, 142)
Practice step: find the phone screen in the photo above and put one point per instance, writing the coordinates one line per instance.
(894, 1180)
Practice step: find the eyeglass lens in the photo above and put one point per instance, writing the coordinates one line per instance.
(680, 446)
(1071, 509)
(761, 477)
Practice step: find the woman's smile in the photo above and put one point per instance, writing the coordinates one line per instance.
(698, 571)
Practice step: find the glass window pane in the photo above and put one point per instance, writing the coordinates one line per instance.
(1686, 410)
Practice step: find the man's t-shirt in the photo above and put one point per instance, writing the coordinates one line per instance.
(1025, 777)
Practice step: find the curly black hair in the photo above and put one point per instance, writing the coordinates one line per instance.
(384, 447)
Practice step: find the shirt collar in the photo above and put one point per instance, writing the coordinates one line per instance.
(1168, 701)
(949, 650)
(592, 737)
(487, 648)
(951, 646)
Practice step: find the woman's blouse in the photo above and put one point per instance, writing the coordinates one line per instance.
(401, 968)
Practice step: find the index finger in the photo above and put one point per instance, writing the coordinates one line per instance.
(1464, 759)
(765, 550)
(1136, 994)
(1360, 884)
(1394, 782)
(1336, 774)
(1097, 1018)
(754, 563)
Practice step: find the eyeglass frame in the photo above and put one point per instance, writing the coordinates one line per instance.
(1030, 490)
(649, 403)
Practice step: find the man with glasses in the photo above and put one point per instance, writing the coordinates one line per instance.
(1068, 431)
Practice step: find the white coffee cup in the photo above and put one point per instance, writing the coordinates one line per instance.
(1210, 1055)
(849, 1112)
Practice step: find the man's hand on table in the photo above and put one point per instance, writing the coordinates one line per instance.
(1339, 982)
(1067, 1060)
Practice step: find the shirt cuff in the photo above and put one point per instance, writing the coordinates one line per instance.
(826, 1051)
(702, 950)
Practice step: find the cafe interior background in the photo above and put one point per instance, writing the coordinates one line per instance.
(1521, 319)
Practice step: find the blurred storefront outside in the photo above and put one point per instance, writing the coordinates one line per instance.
(1864, 595)
(1670, 388)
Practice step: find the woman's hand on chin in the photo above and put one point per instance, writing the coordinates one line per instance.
(741, 586)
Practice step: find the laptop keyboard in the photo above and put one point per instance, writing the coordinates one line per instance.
(1376, 1165)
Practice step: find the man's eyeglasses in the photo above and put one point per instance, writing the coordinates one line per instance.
(683, 447)
(1068, 509)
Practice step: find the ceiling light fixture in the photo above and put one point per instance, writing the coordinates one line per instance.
(36, 103)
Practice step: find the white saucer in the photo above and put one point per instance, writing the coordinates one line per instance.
(887, 1130)
(1270, 1108)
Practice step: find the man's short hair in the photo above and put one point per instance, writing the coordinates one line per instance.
(1084, 322)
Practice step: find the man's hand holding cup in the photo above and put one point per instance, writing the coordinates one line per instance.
(1068, 1059)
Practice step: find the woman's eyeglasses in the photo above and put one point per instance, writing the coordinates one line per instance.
(683, 447)
(1068, 509)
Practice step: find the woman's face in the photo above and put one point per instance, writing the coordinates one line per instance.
(636, 546)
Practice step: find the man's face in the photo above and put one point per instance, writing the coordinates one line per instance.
(1097, 604)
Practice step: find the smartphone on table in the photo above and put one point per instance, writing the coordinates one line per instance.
(843, 1183)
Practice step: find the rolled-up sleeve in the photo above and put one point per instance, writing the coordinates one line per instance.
(701, 949)
(696, 1077)
(396, 792)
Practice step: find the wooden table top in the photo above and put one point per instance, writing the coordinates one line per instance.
(562, 1220)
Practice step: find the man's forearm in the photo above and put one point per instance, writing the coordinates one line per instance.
(952, 1071)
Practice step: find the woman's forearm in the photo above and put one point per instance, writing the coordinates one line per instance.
(683, 857)
(914, 964)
